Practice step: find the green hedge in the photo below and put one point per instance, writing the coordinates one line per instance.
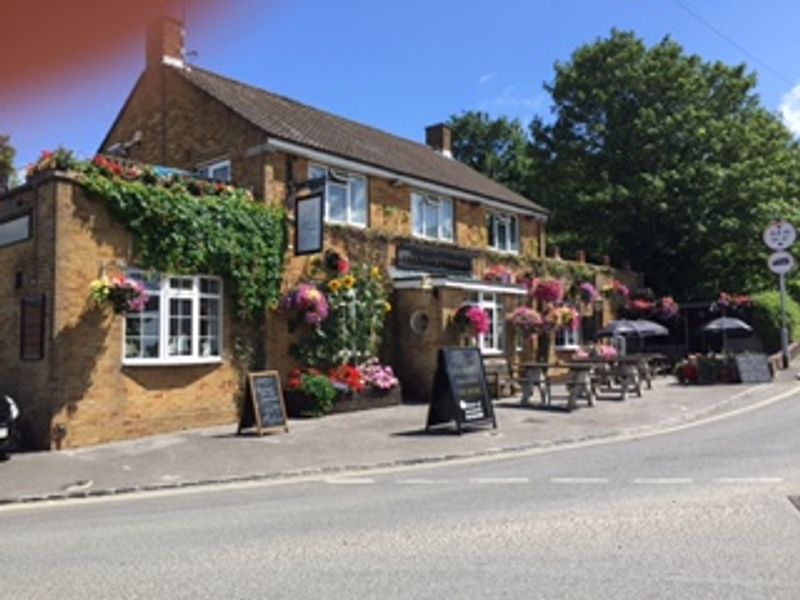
(767, 319)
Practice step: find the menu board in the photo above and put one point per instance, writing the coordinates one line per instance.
(753, 368)
(460, 392)
(266, 409)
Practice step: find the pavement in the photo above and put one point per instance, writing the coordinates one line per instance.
(352, 442)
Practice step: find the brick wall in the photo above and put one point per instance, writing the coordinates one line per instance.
(81, 393)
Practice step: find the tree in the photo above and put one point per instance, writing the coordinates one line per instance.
(498, 148)
(667, 161)
(7, 154)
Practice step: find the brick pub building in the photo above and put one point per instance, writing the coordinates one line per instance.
(433, 223)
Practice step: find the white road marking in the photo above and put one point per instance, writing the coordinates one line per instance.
(579, 480)
(499, 480)
(662, 480)
(749, 479)
(422, 481)
(350, 481)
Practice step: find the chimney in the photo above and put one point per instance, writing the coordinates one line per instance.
(165, 42)
(440, 138)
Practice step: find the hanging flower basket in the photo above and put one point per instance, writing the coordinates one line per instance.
(122, 294)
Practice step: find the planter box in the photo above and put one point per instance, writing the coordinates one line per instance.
(298, 405)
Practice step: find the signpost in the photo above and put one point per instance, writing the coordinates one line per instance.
(779, 236)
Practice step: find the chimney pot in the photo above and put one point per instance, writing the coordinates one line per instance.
(440, 138)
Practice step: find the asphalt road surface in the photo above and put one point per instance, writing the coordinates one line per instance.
(700, 512)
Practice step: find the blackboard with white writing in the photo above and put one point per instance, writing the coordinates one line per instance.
(460, 392)
(266, 409)
(753, 368)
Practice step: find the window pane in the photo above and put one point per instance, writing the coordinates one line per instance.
(209, 286)
(15, 230)
(502, 237)
(180, 283)
(431, 212)
(221, 172)
(180, 327)
(490, 224)
(446, 214)
(358, 201)
(418, 214)
(337, 202)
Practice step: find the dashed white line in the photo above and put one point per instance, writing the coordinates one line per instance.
(350, 481)
(423, 481)
(579, 480)
(663, 480)
(746, 480)
(499, 480)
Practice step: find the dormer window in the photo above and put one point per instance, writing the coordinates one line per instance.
(218, 171)
(346, 199)
(503, 233)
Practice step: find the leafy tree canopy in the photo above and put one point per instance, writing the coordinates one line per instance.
(667, 161)
(497, 148)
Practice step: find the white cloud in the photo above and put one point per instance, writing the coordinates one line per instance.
(486, 78)
(512, 104)
(790, 109)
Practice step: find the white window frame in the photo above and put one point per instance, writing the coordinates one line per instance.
(511, 224)
(165, 294)
(493, 342)
(207, 170)
(421, 199)
(342, 179)
(568, 338)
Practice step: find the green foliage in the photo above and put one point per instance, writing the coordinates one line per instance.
(495, 147)
(665, 160)
(767, 319)
(321, 390)
(7, 154)
(228, 235)
(352, 332)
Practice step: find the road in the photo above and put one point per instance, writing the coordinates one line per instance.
(699, 512)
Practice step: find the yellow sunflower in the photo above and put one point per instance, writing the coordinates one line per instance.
(334, 285)
(348, 281)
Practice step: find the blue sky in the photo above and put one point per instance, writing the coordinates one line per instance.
(401, 66)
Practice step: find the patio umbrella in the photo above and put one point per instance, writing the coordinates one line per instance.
(637, 327)
(727, 325)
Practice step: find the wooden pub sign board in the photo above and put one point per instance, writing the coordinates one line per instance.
(460, 392)
(266, 410)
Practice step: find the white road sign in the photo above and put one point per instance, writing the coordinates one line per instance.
(781, 262)
(779, 235)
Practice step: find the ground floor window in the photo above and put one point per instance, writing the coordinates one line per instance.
(568, 338)
(181, 322)
(494, 340)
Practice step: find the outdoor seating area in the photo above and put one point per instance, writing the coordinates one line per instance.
(587, 379)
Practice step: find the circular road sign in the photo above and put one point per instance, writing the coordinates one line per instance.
(781, 262)
(779, 235)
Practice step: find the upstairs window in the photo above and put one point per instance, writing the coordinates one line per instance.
(345, 195)
(218, 171)
(181, 322)
(432, 217)
(503, 233)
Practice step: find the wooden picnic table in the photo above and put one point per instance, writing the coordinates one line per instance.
(535, 375)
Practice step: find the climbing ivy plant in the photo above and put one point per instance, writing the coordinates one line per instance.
(182, 226)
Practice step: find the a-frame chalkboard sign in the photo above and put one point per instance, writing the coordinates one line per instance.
(460, 392)
(265, 410)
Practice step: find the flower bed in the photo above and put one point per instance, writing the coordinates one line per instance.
(699, 369)
(301, 405)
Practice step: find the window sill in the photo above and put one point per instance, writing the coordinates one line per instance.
(567, 348)
(345, 224)
(503, 251)
(425, 238)
(171, 362)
